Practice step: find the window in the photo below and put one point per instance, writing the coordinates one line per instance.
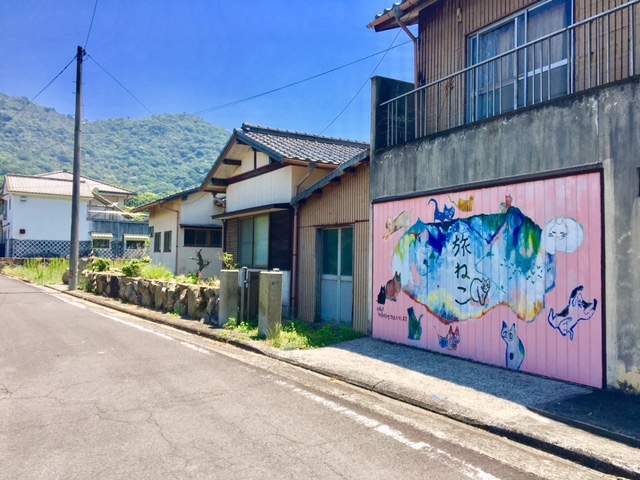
(254, 241)
(101, 243)
(167, 241)
(157, 242)
(135, 244)
(337, 251)
(526, 76)
(194, 237)
(101, 240)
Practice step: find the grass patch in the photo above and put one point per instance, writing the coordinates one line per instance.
(156, 272)
(41, 272)
(297, 334)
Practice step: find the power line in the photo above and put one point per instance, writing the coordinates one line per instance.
(91, 24)
(366, 82)
(123, 87)
(40, 92)
(253, 97)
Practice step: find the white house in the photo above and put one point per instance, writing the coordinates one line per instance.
(182, 226)
(35, 218)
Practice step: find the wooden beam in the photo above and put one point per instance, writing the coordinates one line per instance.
(228, 161)
(218, 182)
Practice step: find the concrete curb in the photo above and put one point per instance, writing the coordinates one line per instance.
(587, 459)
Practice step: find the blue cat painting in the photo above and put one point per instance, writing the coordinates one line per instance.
(444, 215)
(515, 347)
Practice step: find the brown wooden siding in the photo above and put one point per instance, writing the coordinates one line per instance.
(231, 229)
(439, 27)
(341, 204)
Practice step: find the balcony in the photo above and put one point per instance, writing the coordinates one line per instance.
(112, 213)
(597, 51)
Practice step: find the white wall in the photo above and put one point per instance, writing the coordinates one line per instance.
(162, 220)
(272, 187)
(195, 209)
(46, 218)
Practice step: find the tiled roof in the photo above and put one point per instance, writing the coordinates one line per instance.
(59, 184)
(101, 186)
(168, 198)
(301, 146)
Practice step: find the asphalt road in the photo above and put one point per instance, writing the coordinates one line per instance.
(89, 393)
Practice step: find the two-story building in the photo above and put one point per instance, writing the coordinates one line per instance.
(261, 170)
(504, 184)
(36, 218)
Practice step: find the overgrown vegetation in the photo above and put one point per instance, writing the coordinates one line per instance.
(227, 260)
(48, 272)
(154, 156)
(296, 334)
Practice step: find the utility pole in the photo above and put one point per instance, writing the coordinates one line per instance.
(75, 196)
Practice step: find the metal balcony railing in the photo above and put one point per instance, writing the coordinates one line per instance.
(590, 53)
(113, 214)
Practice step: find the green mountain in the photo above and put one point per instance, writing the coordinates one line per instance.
(161, 154)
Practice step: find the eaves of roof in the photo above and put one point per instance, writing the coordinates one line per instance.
(353, 162)
(409, 11)
(168, 198)
(247, 212)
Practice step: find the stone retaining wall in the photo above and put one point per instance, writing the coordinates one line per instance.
(196, 302)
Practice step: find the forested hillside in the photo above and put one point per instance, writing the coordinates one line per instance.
(160, 154)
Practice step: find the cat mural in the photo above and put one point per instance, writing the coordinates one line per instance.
(451, 340)
(392, 288)
(382, 295)
(415, 328)
(576, 311)
(515, 348)
(463, 204)
(444, 215)
(393, 225)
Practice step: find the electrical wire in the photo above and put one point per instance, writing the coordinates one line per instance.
(40, 92)
(91, 24)
(253, 97)
(118, 82)
(366, 82)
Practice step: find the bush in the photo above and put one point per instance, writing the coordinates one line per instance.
(132, 268)
(100, 265)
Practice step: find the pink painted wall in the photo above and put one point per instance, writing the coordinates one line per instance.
(533, 261)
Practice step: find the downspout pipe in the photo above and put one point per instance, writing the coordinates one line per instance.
(161, 205)
(294, 267)
(397, 13)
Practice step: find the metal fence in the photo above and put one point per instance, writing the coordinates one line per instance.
(590, 53)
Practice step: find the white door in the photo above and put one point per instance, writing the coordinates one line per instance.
(336, 289)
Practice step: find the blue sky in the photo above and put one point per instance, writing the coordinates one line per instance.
(186, 56)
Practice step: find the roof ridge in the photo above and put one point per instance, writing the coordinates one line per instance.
(247, 127)
(39, 177)
(83, 178)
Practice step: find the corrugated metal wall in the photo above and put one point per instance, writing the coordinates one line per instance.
(341, 204)
(508, 275)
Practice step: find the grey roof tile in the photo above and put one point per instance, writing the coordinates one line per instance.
(303, 146)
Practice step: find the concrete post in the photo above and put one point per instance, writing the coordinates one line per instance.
(270, 308)
(228, 307)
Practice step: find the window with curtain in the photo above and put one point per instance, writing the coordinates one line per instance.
(525, 76)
